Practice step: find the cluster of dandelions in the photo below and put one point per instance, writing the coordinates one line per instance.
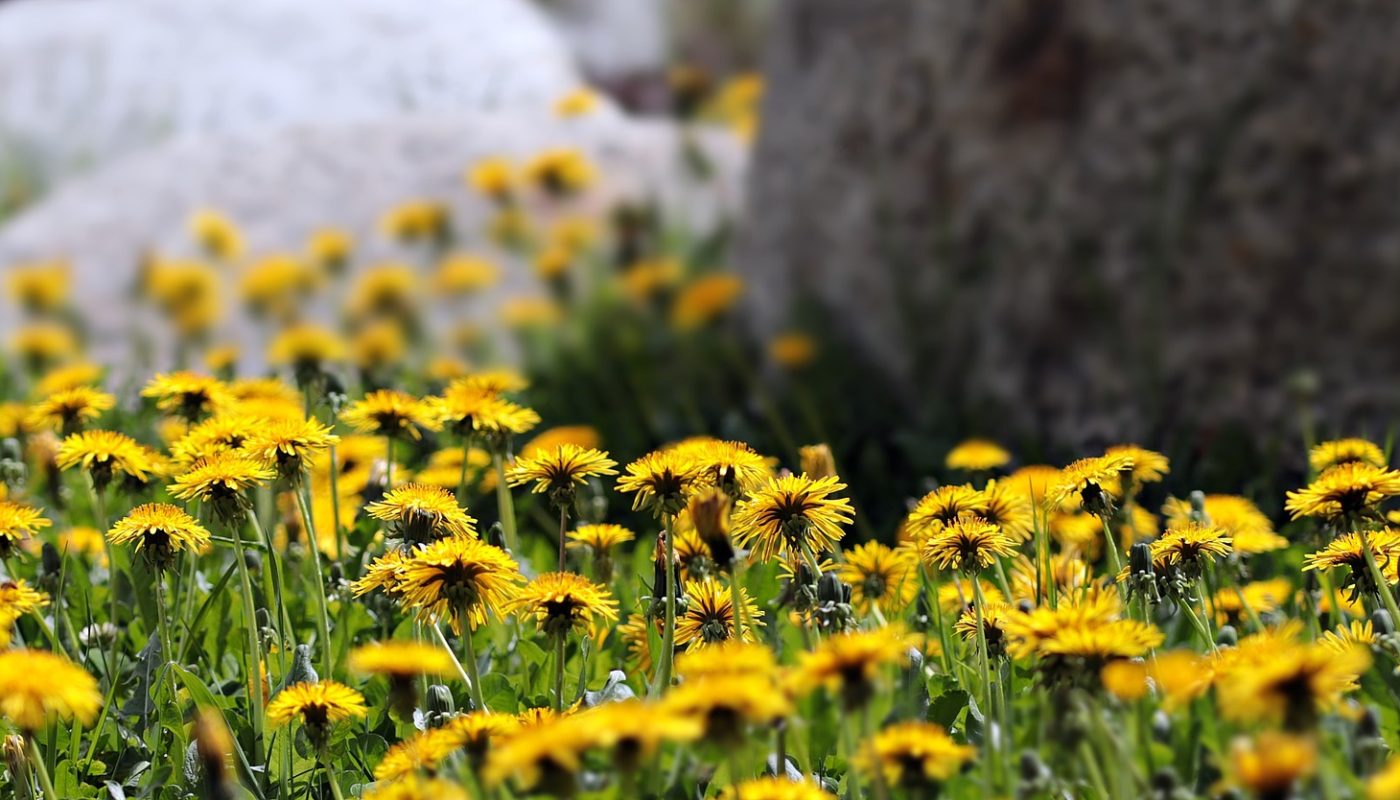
(716, 628)
(353, 576)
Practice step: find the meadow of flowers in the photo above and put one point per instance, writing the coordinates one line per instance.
(383, 566)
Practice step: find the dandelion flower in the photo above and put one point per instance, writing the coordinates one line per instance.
(727, 704)
(562, 601)
(419, 514)
(18, 523)
(661, 481)
(792, 515)
(105, 455)
(412, 787)
(188, 394)
(851, 663)
(37, 687)
(1327, 455)
(709, 614)
(469, 408)
(1190, 546)
(544, 758)
(317, 705)
(1272, 763)
(969, 544)
(977, 455)
(879, 576)
(914, 755)
(1148, 466)
(460, 579)
(290, 445)
(388, 412)
(69, 410)
(160, 532)
(1289, 682)
(943, 506)
(600, 538)
(222, 480)
(560, 471)
(1344, 491)
(1092, 483)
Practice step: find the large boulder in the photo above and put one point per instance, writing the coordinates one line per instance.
(83, 81)
(281, 186)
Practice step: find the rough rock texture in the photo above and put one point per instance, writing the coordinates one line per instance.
(81, 81)
(279, 187)
(1107, 219)
(613, 39)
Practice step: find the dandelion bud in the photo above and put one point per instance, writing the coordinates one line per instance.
(1227, 636)
(253, 560)
(816, 461)
(1162, 727)
(710, 512)
(830, 589)
(1033, 770)
(16, 758)
(1198, 507)
(440, 700)
(213, 745)
(496, 536)
(50, 562)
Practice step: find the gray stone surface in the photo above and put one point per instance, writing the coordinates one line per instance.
(82, 81)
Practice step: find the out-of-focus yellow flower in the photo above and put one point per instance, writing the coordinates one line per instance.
(646, 279)
(1272, 763)
(216, 235)
(40, 288)
(792, 350)
(577, 103)
(576, 234)
(977, 455)
(510, 227)
(187, 293)
(222, 358)
(417, 221)
(37, 687)
(43, 344)
(276, 285)
(305, 346)
(330, 249)
(378, 345)
(705, 300)
(463, 274)
(581, 435)
(389, 290)
(561, 171)
(69, 410)
(1327, 455)
(522, 313)
(552, 263)
(914, 754)
(495, 178)
(68, 376)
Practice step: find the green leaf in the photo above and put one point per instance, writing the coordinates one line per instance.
(205, 699)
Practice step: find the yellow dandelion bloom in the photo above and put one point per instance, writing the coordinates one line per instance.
(600, 538)
(1271, 763)
(1344, 490)
(18, 523)
(398, 659)
(69, 409)
(560, 171)
(726, 704)
(558, 471)
(290, 445)
(1385, 784)
(1289, 682)
(1327, 455)
(792, 515)
(43, 344)
(470, 407)
(37, 687)
(1192, 544)
(1249, 528)
(793, 350)
(662, 481)
(69, 376)
(460, 579)
(852, 662)
(305, 347)
(389, 412)
(105, 455)
(1148, 466)
(968, 544)
(220, 477)
(316, 705)
(1350, 635)
(880, 576)
(562, 601)
(709, 614)
(576, 103)
(160, 532)
(188, 394)
(41, 287)
(423, 751)
(216, 234)
(770, 788)
(330, 249)
(733, 467)
(1088, 479)
(705, 300)
(421, 514)
(977, 455)
(544, 757)
(912, 754)
(494, 178)
(943, 506)
(413, 787)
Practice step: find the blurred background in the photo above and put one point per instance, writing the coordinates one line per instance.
(887, 225)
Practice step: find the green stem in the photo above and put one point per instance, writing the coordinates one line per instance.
(303, 499)
(989, 710)
(472, 672)
(42, 770)
(462, 478)
(250, 619)
(388, 463)
(330, 778)
(662, 679)
(563, 527)
(1115, 561)
(335, 504)
(559, 643)
(505, 504)
(472, 684)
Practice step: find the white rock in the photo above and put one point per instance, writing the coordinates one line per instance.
(81, 81)
(279, 187)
